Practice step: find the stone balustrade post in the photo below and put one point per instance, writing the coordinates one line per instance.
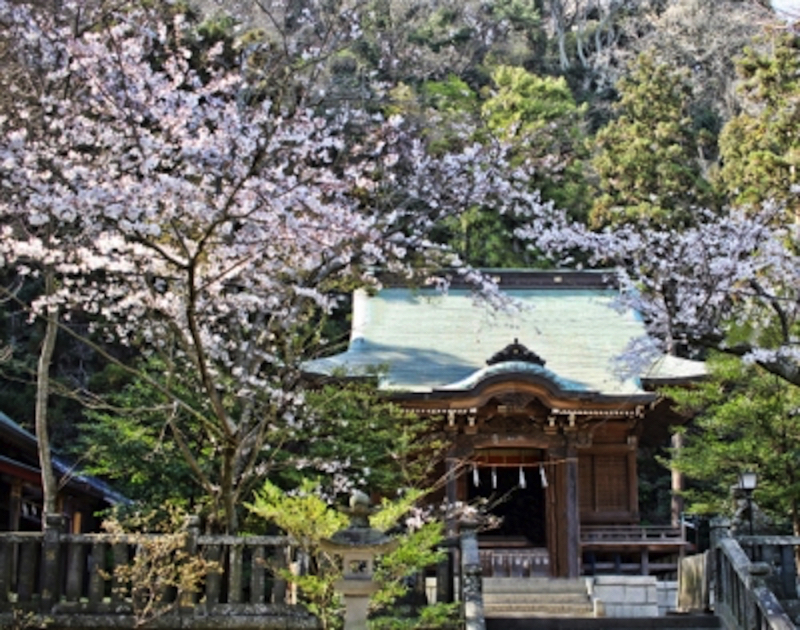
(471, 577)
(192, 528)
(718, 530)
(51, 561)
(444, 577)
(759, 572)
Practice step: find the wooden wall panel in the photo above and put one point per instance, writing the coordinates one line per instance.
(586, 483)
(607, 486)
(611, 483)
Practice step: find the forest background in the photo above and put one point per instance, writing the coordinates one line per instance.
(189, 193)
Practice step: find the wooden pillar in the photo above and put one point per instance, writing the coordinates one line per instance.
(451, 488)
(15, 505)
(572, 512)
(676, 506)
(77, 523)
(445, 569)
(633, 478)
(555, 516)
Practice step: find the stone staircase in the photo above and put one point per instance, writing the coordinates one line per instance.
(535, 597)
(559, 604)
(678, 622)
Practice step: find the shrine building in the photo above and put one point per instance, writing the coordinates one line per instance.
(544, 419)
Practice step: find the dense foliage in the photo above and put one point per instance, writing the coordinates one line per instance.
(188, 196)
(305, 516)
(648, 159)
(747, 421)
(760, 147)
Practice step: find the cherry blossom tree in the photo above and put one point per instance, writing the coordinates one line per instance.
(20, 83)
(730, 282)
(195, 219)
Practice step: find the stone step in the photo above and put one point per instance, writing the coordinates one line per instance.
(535, 598)
(539, 610)
(670, 622)
(533, 585)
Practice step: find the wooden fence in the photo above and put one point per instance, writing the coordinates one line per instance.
(73, 580)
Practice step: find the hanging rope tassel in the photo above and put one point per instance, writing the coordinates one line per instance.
(543, 475)
(523, 483)
(476, 479)
(494, 477)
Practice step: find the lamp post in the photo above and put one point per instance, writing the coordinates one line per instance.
(747, 483)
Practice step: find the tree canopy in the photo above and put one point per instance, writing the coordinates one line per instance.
(747, 421)
(207, 225)
(191, 194)
(759, 148)
(647, 159)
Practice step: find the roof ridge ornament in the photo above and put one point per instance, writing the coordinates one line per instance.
(515, 352)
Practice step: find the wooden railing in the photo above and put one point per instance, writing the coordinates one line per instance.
(511, 562)
(59, 575)
(631, 534)
(743, 599)
(632, 549)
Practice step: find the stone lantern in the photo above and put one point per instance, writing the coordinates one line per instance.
(358, 545)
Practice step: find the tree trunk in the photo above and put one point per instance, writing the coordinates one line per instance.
(49, 485)
(227, 490)
(557, 9)
(796, 530)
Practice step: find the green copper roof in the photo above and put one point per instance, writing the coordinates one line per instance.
(425, 340)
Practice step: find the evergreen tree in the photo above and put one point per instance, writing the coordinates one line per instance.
(747, 420)
(540, 120)
(157, 453)
(540, 117)
(760, 148)
(135, 436)
(647, 159)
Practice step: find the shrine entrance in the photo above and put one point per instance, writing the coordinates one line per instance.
(511, 484)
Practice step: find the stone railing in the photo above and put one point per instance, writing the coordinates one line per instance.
(73, 580)
(471, 577)
(742, 598)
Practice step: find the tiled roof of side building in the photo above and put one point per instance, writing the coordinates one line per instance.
(11, 431)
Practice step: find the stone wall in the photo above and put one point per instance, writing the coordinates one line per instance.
(625, 596)
(667, 597)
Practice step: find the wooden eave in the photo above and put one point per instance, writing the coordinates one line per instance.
(18, 439)
(21, 471)
(559, 400)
